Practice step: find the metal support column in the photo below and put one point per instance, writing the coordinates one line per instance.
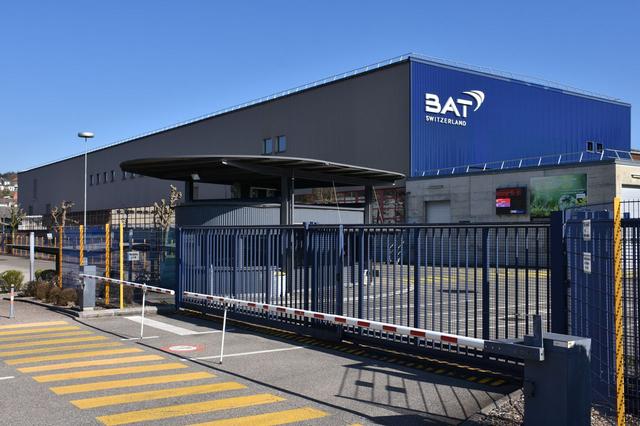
(559, 312)
(286, 200)
(368, 204)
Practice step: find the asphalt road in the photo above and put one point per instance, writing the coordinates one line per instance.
(58, 370)
(22, 264)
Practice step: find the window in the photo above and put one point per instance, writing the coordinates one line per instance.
(589, 146)
(282, 143)
(599, 148)
(267, 146)
(113, 176)
(90, 180)
(97, 178)
(104, 177)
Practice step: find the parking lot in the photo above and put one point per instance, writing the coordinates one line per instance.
(61, 370)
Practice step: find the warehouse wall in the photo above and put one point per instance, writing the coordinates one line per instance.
(363, 120)
(472, 197)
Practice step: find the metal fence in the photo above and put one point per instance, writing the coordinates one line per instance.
(591, 272)
(474, 280)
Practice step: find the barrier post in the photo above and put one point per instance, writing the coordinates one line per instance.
(81, 245)
(32, 256)
(224, 329)
(107, 262)
(60, 236)
(617, 311)
(144, 297)
(11, 312)
(121, 266)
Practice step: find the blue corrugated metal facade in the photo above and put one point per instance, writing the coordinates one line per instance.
(515, 119)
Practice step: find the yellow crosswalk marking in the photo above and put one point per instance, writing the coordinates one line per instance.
(171, 411)
(52, 342)
(32, 324)
(129, 383)
(73, 355)
(60, 348)
(270, 419)
(44, 336)
(92, 363)
(38, 330)
(156, 394)
(108, 372)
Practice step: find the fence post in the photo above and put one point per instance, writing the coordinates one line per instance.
(81, 245)
(485, 284)
(121, 258)
(339, 271)
(305, 266)
(60, 237)
(179, 274)
(617, 311)
(416, 278)
(107, 262)
(361, 261)
(558, 270)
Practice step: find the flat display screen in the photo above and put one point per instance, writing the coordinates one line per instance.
(511, 200)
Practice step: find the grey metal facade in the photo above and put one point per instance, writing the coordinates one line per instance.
(362, 120)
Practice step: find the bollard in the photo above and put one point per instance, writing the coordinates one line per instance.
(11, 312)
(144, 297)
(224, 328)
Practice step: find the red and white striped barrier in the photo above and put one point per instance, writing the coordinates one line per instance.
(343, 320)
(131, 284)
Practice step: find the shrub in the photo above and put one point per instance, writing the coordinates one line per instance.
(67, 295)
(54, 294)
(12, 277)
(47, 275)
(30, 288)
(3, 284)
(42, 289)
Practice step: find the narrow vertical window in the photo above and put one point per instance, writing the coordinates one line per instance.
(267, 146)
(282, 143)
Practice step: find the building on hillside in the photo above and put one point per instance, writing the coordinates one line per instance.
(410, 114)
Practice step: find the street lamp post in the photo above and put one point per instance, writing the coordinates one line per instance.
(85, 136)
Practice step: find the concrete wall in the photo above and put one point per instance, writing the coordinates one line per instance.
(472, 196)
(363, 120)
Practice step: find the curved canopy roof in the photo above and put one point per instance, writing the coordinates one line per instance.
(259, 170)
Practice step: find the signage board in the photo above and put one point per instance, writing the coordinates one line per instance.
(133, 256)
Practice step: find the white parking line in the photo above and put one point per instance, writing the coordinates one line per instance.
(137, 338)
(248, 353)
(180, 331)
(7, 377)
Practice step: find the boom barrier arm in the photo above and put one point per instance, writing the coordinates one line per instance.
(143, 287)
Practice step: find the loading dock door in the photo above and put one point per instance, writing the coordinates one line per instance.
(437, 211)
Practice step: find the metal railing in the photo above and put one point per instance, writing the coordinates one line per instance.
(481, 281)
(540, 161)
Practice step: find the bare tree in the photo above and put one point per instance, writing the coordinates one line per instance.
(163, 212)
(16, 214)
(59, 214)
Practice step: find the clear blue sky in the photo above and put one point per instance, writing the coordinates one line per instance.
(120, 68)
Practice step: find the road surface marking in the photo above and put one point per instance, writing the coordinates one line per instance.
(172, 411)
(92, 363)
(137, 338)
(60, 348)
(129, 383)
(270, 419)
(52, 342)
(108, 372)
(126, 398)
(180, 331)
(33, 324)
(7, 377)
(38, 330)
(73, 355)
(44, 336)
(248, 353)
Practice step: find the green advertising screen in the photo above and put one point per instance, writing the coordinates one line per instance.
(551, 193)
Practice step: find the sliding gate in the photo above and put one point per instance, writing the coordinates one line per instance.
(482, 281)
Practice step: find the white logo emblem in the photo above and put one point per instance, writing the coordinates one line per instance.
(458, 107)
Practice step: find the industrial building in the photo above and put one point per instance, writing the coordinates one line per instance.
(412, 115)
